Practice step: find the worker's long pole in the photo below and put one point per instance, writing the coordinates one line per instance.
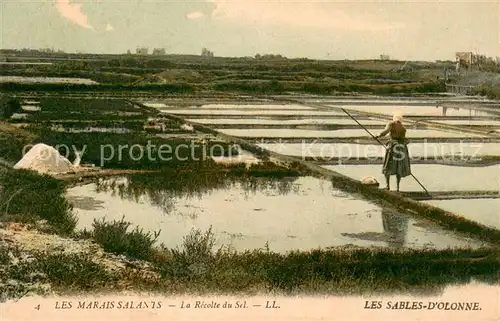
(345, 111)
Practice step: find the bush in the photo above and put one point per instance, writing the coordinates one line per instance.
(114, 238)
(194, 260)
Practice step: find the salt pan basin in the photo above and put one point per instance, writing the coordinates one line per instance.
(290, 214)
(317, 121)
(202, 111)
(48, 80)
(433, 177)
(483, 211)
(417, 110)
(468, 122)
(444, 151)
(256, 106)
(414, 133)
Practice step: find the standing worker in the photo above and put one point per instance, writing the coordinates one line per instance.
(397, 157)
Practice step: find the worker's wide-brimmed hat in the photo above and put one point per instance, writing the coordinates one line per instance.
(397, 116)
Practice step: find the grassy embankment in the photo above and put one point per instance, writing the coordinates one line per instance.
(258, 76)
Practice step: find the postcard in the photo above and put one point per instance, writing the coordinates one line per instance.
(249, 160)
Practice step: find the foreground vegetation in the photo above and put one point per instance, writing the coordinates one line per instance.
(195, 268)
(198, 267)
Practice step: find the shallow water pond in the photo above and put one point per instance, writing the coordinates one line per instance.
(470, 122)
(52, 80)
(371, 101)
(222, 112)
(255, 106)
(484, 211)
(418, 110)
(433, 177)
(448, 151)
(414, 133)
(297, 213)
(316, 121)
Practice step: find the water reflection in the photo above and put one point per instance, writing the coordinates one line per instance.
(395, 230)
(291, 213)
(164, 191)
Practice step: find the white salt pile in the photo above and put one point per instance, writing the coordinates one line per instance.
(45, 159)
(155, 105)
(187, 127)
(243, 157)
(370, 180)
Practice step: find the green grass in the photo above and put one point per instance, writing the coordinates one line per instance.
(28, 197)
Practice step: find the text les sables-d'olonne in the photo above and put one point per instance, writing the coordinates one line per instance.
(423, 305)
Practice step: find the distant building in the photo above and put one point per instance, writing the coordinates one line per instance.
(464, 58)
(385, 57)
(471, 60)
(206, 53)
(158, 52)
(142, 51)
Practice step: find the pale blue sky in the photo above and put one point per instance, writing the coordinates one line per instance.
(423, 30)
